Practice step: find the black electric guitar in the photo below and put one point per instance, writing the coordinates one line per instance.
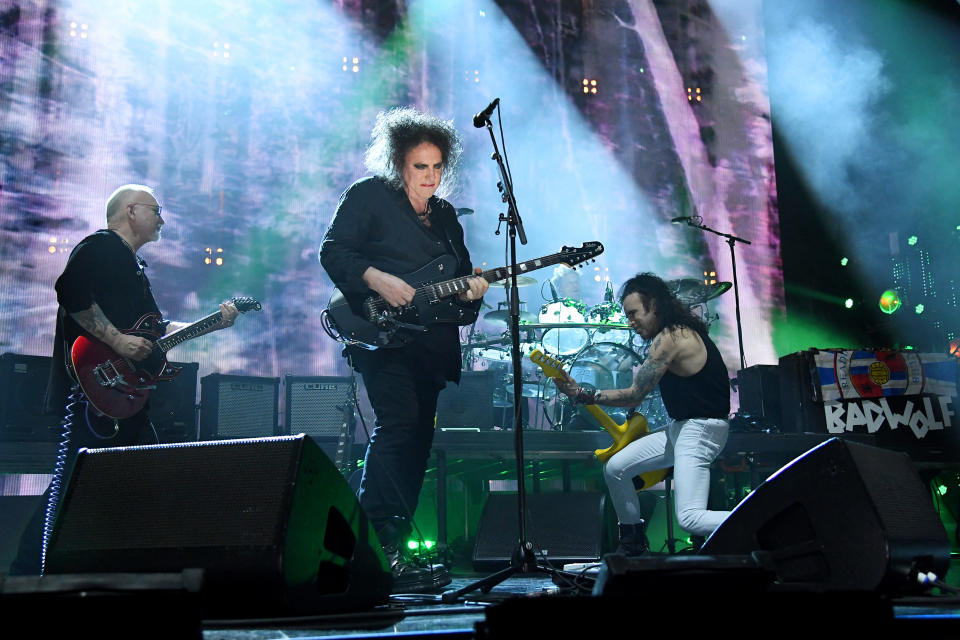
(370, 322)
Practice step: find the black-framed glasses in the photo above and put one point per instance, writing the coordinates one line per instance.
(156, 208)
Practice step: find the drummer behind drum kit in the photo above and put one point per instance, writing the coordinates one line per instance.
(596, 344)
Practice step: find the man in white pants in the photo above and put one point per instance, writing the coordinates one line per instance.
(695, 388)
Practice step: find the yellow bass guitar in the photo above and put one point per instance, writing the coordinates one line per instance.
(623, 434)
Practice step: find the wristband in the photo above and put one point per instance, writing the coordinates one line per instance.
(585, 396)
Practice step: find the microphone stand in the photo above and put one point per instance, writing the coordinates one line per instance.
(731, 240)
(522, 560)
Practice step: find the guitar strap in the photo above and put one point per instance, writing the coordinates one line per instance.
(55, 397)
(451, 246)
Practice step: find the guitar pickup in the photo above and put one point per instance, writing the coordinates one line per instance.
(107, 375)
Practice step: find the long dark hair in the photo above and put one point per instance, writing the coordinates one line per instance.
(670, 311)
(398, 131)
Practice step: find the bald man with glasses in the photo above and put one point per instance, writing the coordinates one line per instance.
(103, 290)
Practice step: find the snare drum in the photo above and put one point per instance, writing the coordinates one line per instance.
(559, 341)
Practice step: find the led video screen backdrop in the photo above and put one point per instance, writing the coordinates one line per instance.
(251, 118)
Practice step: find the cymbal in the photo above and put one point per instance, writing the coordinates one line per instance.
(692, 291)
(463, 211)
(719, 289)
(522, 281)
(502, 316)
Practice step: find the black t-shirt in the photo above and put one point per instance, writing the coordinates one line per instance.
(103, 270)
(706, 394)
(376, 226)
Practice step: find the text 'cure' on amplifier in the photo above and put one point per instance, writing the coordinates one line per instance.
(317, 405)
(238, 407)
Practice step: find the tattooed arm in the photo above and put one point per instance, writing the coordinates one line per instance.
(97, 325)
(666, 346)
(662, 352)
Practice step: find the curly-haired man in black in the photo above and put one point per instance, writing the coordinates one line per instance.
(387, 225)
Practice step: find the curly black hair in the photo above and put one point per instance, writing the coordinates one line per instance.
(670, 311)
(401, 129)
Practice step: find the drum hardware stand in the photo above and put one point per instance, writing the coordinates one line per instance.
(732, 240)
(522, 559)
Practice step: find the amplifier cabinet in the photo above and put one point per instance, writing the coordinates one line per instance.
(173, 406)
(238, 407)
(317, 405)
(23, 384)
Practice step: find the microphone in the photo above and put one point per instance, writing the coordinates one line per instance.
(481, 119)
(682, 219)
(553, 291)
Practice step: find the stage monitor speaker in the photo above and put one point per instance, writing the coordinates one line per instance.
(469, 404)
(843, 516)
(173, 406)
(565, 527)
(238, 407)
(23, 384)
(270, 521)
(315, 405)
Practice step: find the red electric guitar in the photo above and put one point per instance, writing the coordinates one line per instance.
(118, 387)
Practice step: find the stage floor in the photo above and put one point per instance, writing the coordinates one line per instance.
(539, 608)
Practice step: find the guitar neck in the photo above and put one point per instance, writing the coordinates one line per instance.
(189, 332)
(458, 285)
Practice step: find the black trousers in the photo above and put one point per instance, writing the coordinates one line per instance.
(403, 390)
(81, 429)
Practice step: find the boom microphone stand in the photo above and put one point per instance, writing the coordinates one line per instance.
(697, 223)
(522, 560)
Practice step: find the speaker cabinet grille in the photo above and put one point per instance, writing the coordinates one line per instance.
(173, 406)
(315, 405)
(238, 407)
(23, 383)
(271, 522)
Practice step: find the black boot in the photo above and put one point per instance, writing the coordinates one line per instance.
(410, 574)
(633, 539)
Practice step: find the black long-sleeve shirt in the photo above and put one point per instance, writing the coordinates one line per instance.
(376, 226)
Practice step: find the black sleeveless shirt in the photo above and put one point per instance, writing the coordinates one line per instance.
(705, 394)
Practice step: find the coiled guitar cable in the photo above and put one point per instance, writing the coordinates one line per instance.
(75, 404)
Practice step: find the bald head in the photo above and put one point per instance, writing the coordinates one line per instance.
(123, 196)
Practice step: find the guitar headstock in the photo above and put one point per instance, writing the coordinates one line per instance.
(573, 256)
(552, 367)
(244, 304)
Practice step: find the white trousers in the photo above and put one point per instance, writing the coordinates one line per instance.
(689, 446)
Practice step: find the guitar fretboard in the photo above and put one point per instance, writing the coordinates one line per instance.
(458, 285)
(189, 332)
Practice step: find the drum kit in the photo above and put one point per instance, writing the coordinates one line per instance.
(596, 344)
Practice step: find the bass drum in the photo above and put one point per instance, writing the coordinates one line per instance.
(608, 365)
(559, 341)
